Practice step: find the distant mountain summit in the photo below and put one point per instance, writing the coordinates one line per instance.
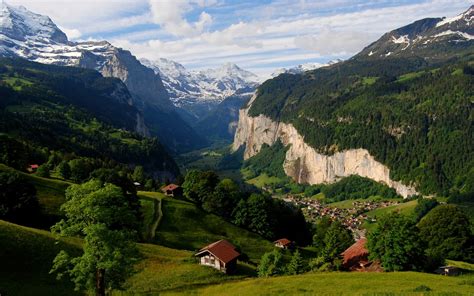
(432, 38)
(35, 37)
(197, 91)
(18, 23)
(303, 68)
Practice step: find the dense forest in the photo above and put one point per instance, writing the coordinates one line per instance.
(415, 117)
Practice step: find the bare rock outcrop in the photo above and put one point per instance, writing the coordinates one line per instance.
(302, 162)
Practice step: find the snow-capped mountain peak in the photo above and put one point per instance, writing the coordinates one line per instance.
(19, 23)
(209, 86)
(303, 68)
(466, 16)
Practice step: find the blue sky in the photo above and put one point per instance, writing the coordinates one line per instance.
(260, 36)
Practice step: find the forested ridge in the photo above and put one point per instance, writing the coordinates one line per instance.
(413, 116)
(72, 111)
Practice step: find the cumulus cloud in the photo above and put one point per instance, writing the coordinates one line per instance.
(170, 15)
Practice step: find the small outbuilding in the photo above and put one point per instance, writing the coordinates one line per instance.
(172, 190)
(32, 168)
(220, 255)
(448, 270)
(283, 243)
(356, 258)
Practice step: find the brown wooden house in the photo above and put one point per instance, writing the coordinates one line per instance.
(33, 168)
(220, 255)
(283, 243)
(356, 258)
(172, 190)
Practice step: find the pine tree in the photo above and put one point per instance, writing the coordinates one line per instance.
(296, 265)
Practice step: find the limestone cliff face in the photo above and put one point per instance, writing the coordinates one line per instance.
(302, 162)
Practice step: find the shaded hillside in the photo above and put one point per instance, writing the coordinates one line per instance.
(72, 110)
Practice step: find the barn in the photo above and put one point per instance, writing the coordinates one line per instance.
(220, 255)
(172, 190)
(356, 258)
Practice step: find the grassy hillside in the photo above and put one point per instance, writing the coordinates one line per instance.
(406, 208)
(185, 227)
(400, 283)
(26, 257)
(27, 254)
(50, 193)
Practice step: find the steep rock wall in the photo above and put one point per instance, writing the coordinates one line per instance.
(302, 162)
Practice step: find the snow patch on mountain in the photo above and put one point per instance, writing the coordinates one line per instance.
(303, 68)
(205, 86)
(449, 32)
(466, 16)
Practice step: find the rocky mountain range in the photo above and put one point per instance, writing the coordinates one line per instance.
(35, 37)
(432, 38)
(385, 114)
(198, 92)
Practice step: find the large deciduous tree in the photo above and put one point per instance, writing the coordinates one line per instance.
(396, 243)
(199, 185)
(102, 216)
(447, 231)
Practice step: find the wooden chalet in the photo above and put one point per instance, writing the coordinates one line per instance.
(356, 258)
(32, 168)
(172, 190)
(283, 243)
(220, 255)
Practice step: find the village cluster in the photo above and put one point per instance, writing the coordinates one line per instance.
(352, 217)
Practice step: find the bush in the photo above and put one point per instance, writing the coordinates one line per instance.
(43, 171)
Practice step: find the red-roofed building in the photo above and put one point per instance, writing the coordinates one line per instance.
(32, 168)
(356, 258)
(221, 255)
(172, 190)
(283, 243)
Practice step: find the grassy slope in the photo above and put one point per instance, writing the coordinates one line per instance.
(26, 257)
(406, 208)
(50, 194)
(400, 283)
(185, 227)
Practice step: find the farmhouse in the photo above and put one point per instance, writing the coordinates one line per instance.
(356, 258)
(221, 255)
(32, 168)
(172, 190)
(283, 243)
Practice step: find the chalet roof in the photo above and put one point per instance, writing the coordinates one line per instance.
(282, 241)
(169, 187)
(358, 249)
(222, 249)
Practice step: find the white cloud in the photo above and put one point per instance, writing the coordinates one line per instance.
(170, 15)
(72, 34)
(197, 34)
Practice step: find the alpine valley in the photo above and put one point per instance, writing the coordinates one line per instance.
(122, 175)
